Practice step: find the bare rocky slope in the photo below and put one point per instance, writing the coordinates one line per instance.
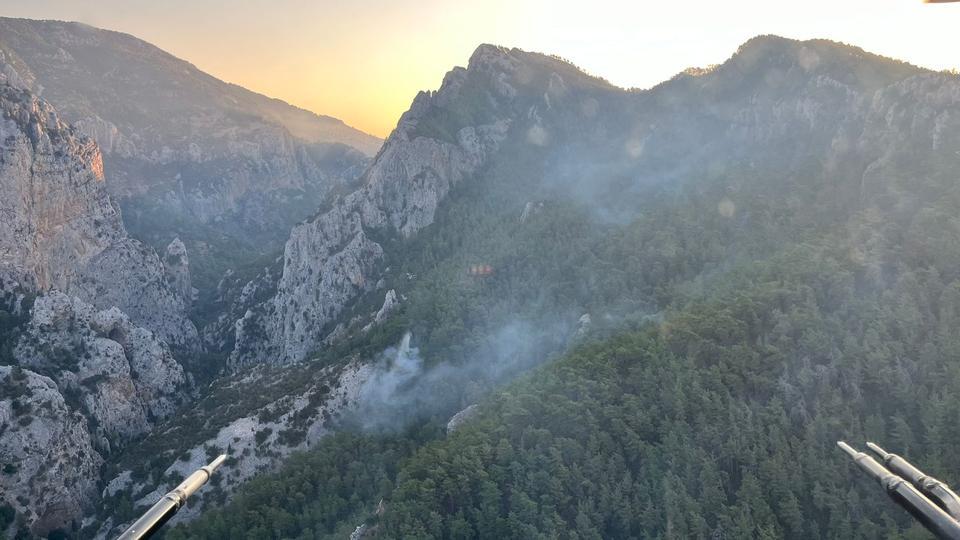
(61, 228)
(91, 368)
(84, 384)
(187, 156)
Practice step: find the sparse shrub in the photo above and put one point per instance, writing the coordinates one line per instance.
(262, 435)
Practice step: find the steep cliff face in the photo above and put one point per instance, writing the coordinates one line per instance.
(57, 215)
(94, 362)
(86, 383)
(62, 231)
(226, 170)
(49, 465)
(331, 260)
(778, 109)
(124, 377)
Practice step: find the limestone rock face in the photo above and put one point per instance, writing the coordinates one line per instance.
(458, 419)
(184, 150)
(49, 466)
(124, 376)
(60, 229)
(87, 383)
(390, 304)
(332, 259)
(176, 264)
(57, 216)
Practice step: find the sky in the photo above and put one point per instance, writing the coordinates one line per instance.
(363, 61)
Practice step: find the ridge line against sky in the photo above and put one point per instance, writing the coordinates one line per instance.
(364, 61)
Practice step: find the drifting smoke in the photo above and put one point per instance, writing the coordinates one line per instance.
(403, 389)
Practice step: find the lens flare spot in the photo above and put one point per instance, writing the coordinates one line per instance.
(538, 136)
(634, 147)
(726, 208)
(808, 59)
(589, 107)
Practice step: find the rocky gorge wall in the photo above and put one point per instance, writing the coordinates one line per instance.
(93, 366)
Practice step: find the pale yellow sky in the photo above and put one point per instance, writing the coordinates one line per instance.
(364, 60)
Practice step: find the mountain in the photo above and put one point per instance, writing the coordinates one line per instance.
(723, 274)
(120, 86)
(587, 141)
(88, 320)
(648, 314)
(399, 196)
(187, 156)
(63, 231)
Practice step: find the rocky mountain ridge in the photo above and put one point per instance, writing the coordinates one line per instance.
(188, 156)
(92, 366)
(401, 191)
(51, 57)
(62, 229)
(595, 144)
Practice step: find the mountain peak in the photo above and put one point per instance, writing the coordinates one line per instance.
(486, 52)
(529, 66)
(495, 59)
(840, 61)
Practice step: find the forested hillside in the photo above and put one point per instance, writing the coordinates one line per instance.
(719, 421)
(745, 318)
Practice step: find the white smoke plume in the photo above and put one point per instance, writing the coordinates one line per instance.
(403, 388)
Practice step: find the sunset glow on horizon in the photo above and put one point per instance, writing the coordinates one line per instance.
(364, 61)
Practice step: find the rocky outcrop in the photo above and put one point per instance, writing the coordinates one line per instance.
(184, 150)
(458, 419)
(584, 323)
(390, 304)
(87, 382)
(176, 264)
(123, 376)
(331, 260)
(48, 467)
(60, 229)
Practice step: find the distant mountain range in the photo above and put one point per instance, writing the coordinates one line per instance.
(150, 96)
(186, 155)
